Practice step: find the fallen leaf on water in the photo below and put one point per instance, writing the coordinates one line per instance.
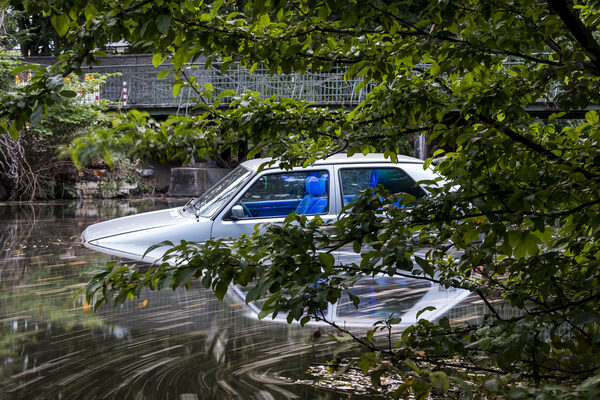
(52, 278)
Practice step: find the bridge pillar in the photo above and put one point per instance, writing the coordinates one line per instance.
(420, 147)
(192, 182)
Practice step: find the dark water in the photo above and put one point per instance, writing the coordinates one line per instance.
(182, 345)
(166, 345)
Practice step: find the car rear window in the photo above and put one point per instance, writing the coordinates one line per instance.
(356, 180)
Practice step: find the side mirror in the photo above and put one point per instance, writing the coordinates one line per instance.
(237, 212)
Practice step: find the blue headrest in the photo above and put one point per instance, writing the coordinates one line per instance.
(323, 180)
(374, 176)
(313, 186)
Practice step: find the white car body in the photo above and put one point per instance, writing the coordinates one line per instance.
(131, 236)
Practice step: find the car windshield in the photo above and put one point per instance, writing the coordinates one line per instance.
(212, 200)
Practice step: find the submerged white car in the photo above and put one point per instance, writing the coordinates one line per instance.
(246, 197)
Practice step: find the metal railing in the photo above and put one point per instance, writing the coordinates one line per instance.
(143, 89)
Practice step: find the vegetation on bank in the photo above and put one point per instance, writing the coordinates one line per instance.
(36, 164)
(521, 194)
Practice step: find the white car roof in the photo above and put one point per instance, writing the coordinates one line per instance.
(340, 159)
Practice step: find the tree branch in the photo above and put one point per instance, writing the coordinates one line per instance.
(538, 148)
(579, 31)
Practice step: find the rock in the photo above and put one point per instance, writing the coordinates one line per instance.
(145, 172)
(99, 173)
(86, 189)
(106, 190)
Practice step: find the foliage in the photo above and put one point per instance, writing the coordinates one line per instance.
(8, 155)
(30, 163)
(522, 220)
(124, 175)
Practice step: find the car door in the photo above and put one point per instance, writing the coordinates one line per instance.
(274, 194)
(354, 179)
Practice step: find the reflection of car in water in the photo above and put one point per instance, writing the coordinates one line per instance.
(247, 196)
(382, 297)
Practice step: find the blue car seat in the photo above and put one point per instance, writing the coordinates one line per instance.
(315, 201)
(373, 184)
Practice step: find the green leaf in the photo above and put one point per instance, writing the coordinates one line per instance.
(592, 117)
(163, 74)
(425, 265)
(366, 362)
(355, 300)
(421, 311)
(17, 70)
(411, 364)
(264, 19)
(586, 317)
(327, 260)
(492, 385)
(68, 93)
(37, 114)
(61, 23)
(157, 59)
(265, 311)
(163, 22)
(177, 87)
(226, 93)
(440, 381)
(90, 12)
(420, 389)
(221, 289)
(466, 388)
(183, 275)
(376, 377)
(14, 130)
(136, 114)
(400, 391)
(427, 163)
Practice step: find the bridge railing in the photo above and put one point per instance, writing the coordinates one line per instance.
(137, 80)
(143, 89)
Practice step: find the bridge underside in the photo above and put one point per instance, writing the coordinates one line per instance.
(161, 111)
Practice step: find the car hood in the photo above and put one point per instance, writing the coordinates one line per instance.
(131, 237)
(132, 223)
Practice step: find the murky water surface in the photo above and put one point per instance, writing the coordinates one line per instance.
(165, 345)
(181, 345)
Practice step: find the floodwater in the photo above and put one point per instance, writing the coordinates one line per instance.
(182, 345)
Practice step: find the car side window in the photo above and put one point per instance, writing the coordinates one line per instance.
(356, 180)
(279, 194)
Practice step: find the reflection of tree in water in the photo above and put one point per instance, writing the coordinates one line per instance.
(39, 273)
(13, 262)
(187, 338)
(36, 230)
(52, 345)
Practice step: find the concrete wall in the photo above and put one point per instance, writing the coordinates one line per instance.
(192, 182)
